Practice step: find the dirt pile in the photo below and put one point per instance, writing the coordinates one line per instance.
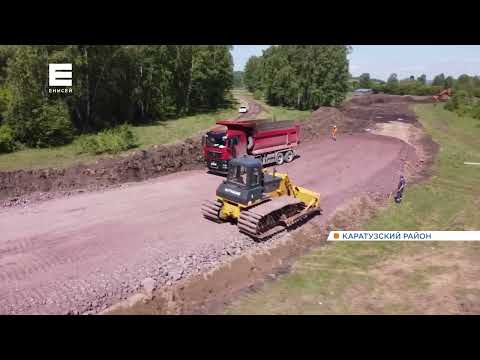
(136, 166)
(320, 122)
(363, 112)
(360, 113)
(365, 116)
(385, 99)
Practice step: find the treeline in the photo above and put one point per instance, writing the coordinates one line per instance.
(112, 85)
(417, 86)
(465, 99)
(394, 86)
(299, 76)
(466, 96)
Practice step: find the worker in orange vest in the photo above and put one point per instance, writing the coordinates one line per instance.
(334, 132)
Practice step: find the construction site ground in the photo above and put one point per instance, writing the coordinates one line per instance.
(394, 277)
(145, 246)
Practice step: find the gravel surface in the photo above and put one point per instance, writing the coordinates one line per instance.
(82, 253)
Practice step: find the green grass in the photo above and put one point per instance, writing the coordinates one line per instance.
(317, 282)
(161, 132)
(324, 281)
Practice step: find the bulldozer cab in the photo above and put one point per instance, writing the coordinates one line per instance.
(245, 171)
(246, 183)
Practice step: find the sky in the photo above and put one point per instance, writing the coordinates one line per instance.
(382, 60)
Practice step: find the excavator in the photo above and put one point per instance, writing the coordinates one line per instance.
(261, 204)
(443, 95)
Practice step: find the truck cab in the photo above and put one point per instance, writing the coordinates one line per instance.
(220, 146)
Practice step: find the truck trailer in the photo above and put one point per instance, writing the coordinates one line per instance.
(272, 142)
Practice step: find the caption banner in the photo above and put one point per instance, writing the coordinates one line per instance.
(404, 236)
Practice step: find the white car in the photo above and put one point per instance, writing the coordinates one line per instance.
(243, 109)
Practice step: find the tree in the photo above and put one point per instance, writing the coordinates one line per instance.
(26, 79)
(422, 79)
(212, 75)
(300, 76)
(392, 79)
(449, 82)
(6, 53)
(476, 91)
(5, 99)
(411, 78)
(439, 80)
(364, 81)
(112, 85)
(238, 79)
(252, 77)
(392, 84)
(52, 126)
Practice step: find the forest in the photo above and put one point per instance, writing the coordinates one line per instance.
(303, 77)
(113, 85)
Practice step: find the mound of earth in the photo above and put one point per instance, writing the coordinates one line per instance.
(136, 166)
(360, 113)
(384, 98)
(321, 121)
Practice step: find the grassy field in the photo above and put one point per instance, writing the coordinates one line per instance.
(162, 132)
(398, 278)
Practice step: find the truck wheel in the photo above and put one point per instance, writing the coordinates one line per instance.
(289, 156)
(279, 158)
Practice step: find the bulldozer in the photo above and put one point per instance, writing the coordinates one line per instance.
(260, 203)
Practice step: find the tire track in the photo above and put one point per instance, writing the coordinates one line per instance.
(32, 257)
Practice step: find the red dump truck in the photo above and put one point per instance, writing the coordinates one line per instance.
(270, 141)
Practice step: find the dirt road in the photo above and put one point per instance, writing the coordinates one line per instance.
(254, 108)
(91, 250)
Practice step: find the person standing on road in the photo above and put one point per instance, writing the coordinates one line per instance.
(400, 189)
(334, 133)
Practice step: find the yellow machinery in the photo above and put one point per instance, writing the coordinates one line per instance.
(261, 204)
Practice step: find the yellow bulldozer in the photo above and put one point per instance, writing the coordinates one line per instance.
(261, 204)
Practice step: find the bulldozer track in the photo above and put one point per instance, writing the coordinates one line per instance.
(211, 209)
(269, 218)
(265, 219)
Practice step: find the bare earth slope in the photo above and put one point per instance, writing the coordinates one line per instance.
(90, 250)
